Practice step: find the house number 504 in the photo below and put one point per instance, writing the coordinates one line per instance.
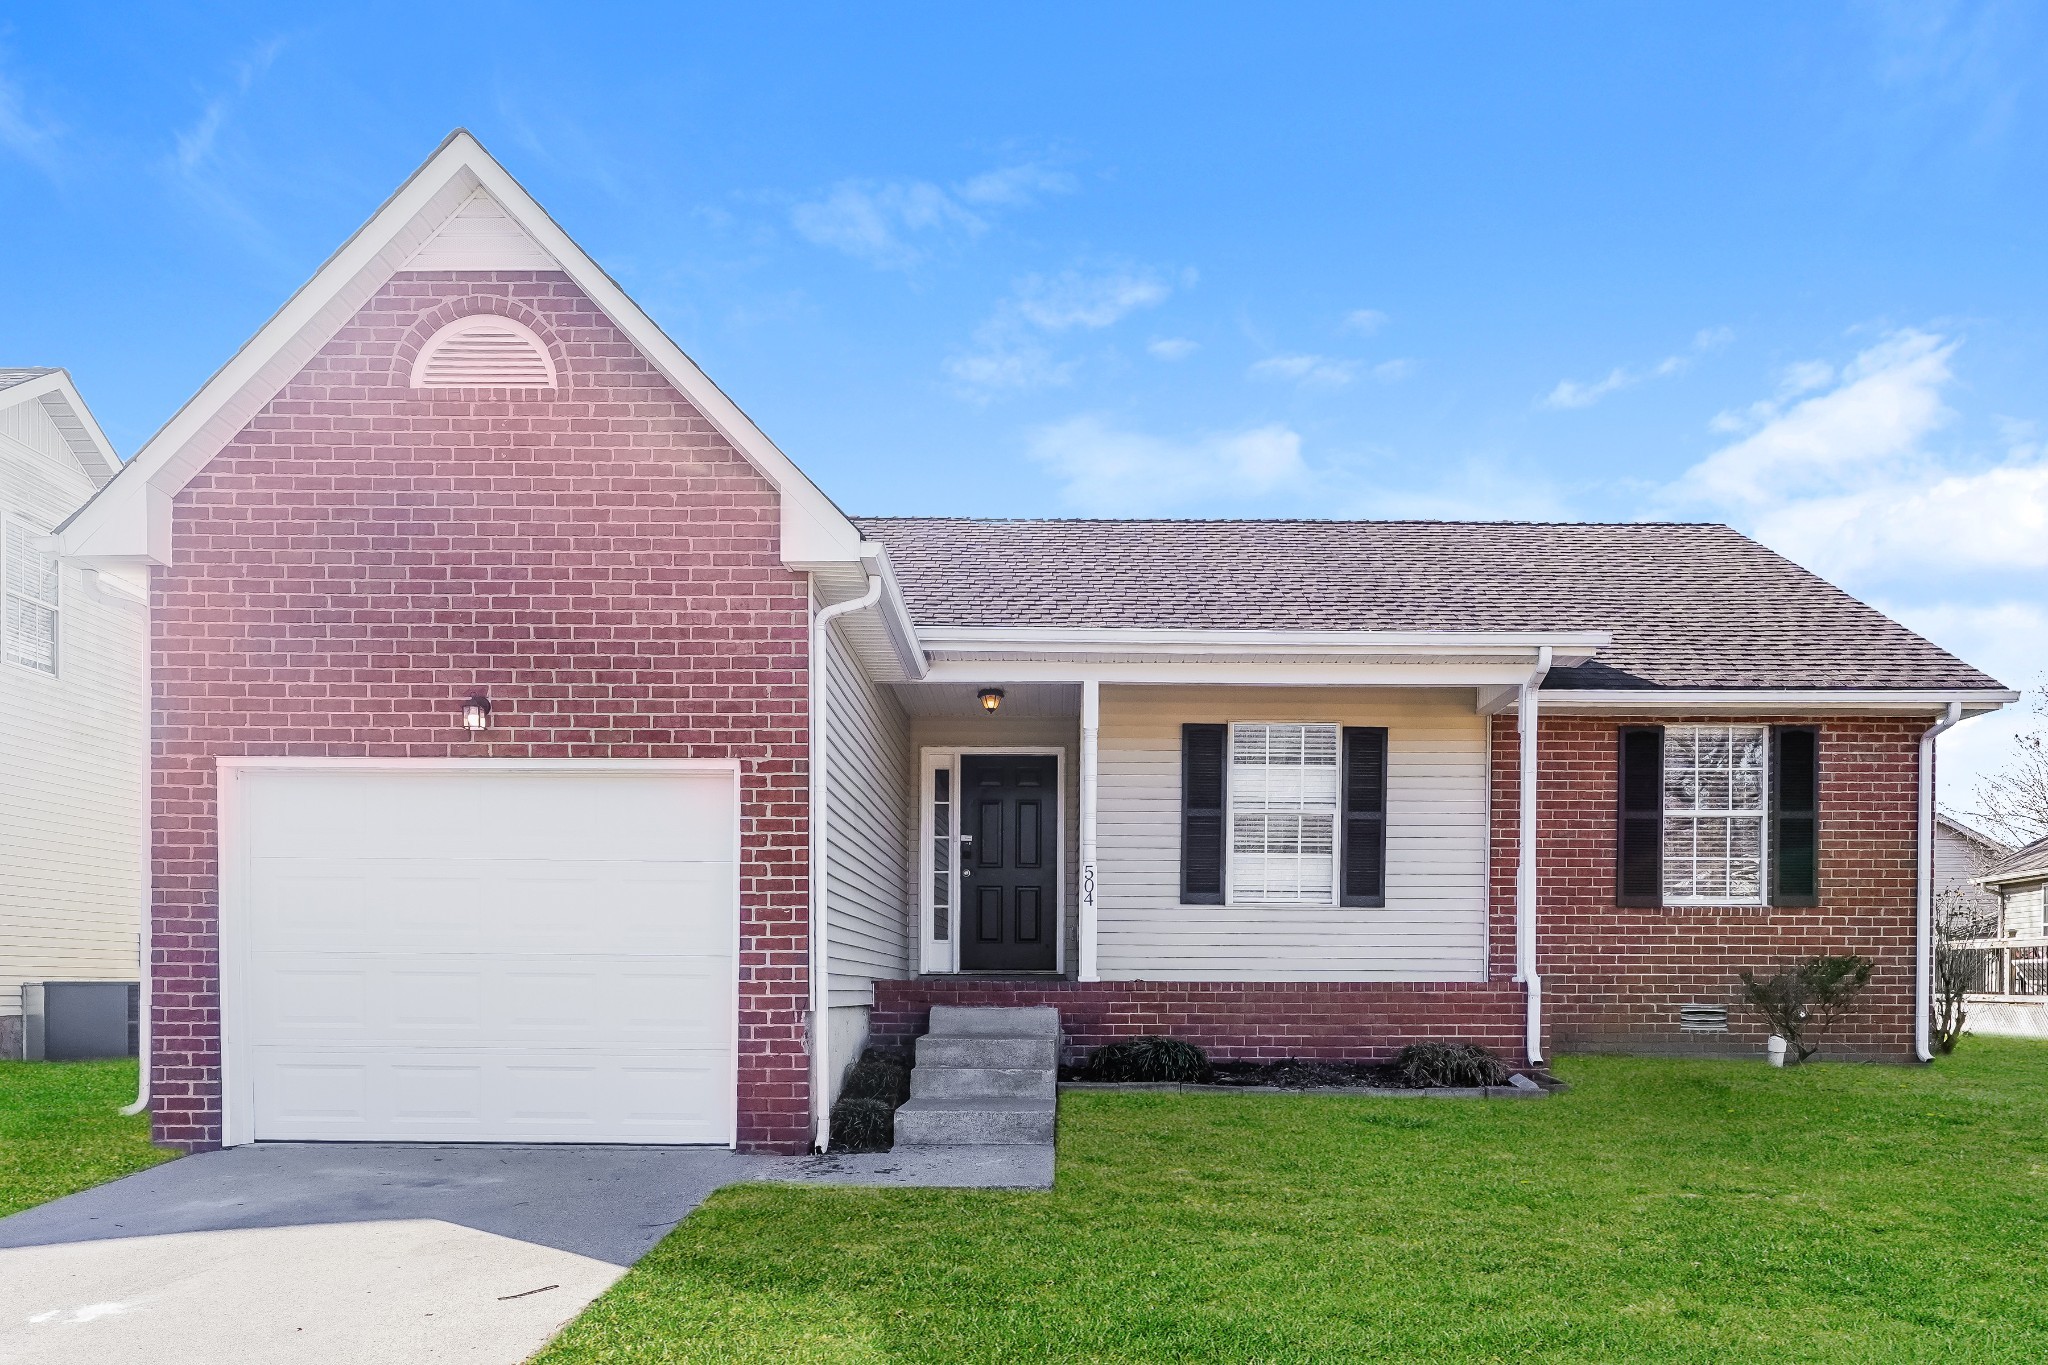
(1088, 884)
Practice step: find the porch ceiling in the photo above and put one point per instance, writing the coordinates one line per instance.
(1021, 700)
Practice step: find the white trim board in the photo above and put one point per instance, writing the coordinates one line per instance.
(125, 523)
(1772, 701)
(238, 1114)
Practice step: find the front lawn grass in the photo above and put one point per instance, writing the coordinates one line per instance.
(1660, 1210)
(61, 1129)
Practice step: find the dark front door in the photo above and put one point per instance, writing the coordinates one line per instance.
(1009, 863)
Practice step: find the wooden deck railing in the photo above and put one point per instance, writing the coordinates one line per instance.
(2012, 966)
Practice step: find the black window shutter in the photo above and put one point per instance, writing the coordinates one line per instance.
(1795, 815)
(1201, 813)
(1639, 832)
(1364, 850)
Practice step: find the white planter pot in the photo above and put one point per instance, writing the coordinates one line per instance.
(1775, 1050)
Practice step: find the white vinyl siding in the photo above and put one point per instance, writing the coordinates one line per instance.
(869, 793)
(1433, 927)
(73, 751)
(2024, 911)
(1714, 807)
(1283, 814)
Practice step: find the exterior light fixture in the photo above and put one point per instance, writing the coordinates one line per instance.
(476, 713)
(990, 698)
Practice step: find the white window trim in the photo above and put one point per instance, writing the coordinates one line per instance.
(1333, 901)
(1763, 880)
(938, 957)
(56, 669)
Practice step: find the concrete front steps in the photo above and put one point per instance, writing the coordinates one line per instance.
(983, 1077)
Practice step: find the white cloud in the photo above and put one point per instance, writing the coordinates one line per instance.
(1172, 348)
(1574, 393)
(1364, 321)
(1104, 471)
(892, 224)
(1393, 371)
(1307, 371)
(24, 135)
(1071, 299)
(1009, 352)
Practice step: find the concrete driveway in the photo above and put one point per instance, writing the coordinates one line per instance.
(287, 1253)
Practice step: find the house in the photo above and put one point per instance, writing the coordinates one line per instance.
(72, 732)
(541, 755)
(1962, 854)
(2015, 999)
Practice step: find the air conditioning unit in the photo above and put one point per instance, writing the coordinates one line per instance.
(72, 1021)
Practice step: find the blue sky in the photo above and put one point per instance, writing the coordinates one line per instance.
(1775, 265)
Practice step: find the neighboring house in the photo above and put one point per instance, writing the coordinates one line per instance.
(540, 755)
(2015, 999)
(73, 746)
(1961, 856)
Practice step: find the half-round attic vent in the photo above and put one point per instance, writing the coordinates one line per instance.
(484, 351)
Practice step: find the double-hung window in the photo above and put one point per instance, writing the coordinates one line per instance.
(28, 598)
(1283, 813)
(1718, 815)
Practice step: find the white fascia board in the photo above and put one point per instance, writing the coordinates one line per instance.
(896, 615)
(1727, 701)
(1228, 673)
(1567, 647)
(98, 458)
(814, 531)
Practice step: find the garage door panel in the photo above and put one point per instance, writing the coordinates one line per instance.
(555, 966)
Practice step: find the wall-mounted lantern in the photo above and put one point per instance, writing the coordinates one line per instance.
(990, 698)
(476, 714)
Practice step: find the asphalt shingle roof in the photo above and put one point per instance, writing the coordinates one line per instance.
(10, 377)
(1689, 605)
(2030, 859)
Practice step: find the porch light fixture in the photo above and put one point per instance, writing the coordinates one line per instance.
(990, 698)
(476, 713)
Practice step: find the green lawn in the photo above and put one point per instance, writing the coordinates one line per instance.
(60, 1129)
(1661, 1210)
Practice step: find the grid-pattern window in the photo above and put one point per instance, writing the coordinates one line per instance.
(30, 624)
(1714, 808)
(942, 855)
(1283, 814)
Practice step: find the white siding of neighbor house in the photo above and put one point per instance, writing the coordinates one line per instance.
(2023, 911)
(1958, 858)
(73, 751)
(1433, 927)
(869, 795)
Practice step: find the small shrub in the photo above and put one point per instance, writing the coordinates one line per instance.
(882, 1073)
(1806, 997)
(1148, 1058)
(1450, 1064)
(863, 1125)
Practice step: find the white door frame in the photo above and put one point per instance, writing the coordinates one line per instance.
(238, 1075)
(937, 957)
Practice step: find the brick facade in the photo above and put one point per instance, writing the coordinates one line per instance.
(1613, 978)
(361, 556)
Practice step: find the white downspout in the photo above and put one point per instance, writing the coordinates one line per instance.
(821, 1015)
(145, 940)
(1525, 848)
(1923, 910)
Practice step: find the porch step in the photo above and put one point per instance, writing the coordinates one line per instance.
(1004, 1053)
(996, 1021)
(961, 1121)
(952, 1082)
(984, 1077)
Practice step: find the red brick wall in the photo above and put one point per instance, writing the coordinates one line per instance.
(1238, 1020)
(1613, 978)
(598, 560)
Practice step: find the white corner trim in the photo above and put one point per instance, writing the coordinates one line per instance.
(814, 531)
(1902, 700)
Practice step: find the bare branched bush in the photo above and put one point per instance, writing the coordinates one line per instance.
(1959, 971)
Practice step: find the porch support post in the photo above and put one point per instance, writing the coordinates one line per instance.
(1091, 716)
(1525, 862)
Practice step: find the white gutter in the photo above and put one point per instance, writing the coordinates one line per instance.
(1525, 848)
(821, 1014)
(1923, 916)
(1641, 700)
(145, 940)
(1570, 646)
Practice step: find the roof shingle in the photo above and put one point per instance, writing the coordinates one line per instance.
(1689, 605)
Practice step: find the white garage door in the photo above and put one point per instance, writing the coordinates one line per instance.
(479, 954)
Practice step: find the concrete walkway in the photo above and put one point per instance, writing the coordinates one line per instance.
(297, 1254)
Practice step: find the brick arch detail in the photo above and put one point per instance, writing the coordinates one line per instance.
(470, 304)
